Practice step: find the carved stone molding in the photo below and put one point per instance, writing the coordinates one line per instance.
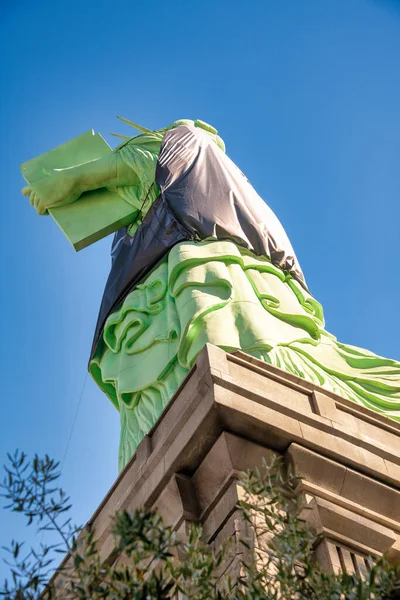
(230, 412)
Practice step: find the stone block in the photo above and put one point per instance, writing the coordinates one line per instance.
(270, 371)
(324, 405)
(393, 554)
(188, 444)
(179, 409)
(385, 440)
(258, 381)
(326, 516)
(315, 468)
(221, 511)
(178, 501)
(393, 471)
(346, 451)
(327, 556)
(249, 418)
(229, 456)
(376, 441)
(212, 357)
(371, 494)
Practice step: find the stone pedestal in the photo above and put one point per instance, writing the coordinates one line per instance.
(228, 414)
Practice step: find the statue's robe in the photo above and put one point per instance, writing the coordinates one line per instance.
(210, 262)
(203, 195)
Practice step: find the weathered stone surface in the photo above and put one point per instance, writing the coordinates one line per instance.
(325, 515)
(315, 468)
(228, 415)
(178, 501)
(371, 494)
(227, 458)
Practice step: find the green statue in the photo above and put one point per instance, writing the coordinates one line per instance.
(202, 259)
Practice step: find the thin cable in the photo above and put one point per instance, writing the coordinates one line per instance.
(74, 421)
(71, 432)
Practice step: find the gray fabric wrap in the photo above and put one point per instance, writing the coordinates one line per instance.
(203, 195)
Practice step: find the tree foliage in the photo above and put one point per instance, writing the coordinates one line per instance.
(150, 561)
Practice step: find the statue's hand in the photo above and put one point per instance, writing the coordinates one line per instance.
(58, 189)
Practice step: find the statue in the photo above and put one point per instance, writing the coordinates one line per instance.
(203, 260)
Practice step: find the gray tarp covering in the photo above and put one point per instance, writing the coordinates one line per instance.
(203, 195)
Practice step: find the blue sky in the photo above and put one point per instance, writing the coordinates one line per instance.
(305, 94)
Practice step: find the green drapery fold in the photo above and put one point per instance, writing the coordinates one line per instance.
(217, 292)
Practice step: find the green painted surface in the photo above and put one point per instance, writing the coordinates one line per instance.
(91, 190)
(98, 212)
(219, 293)
(201, 292)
